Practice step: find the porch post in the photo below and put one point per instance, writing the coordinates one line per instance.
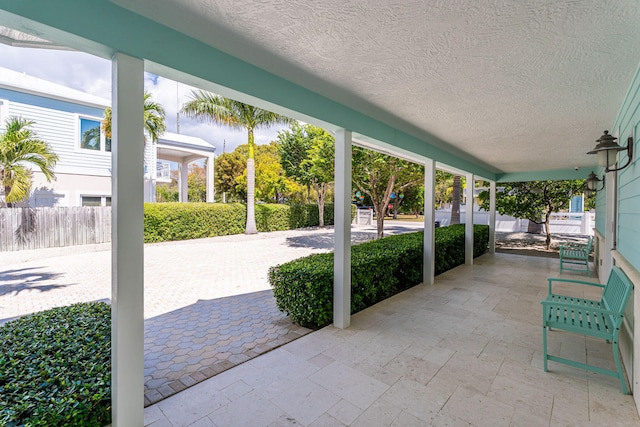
(342, 232)
(429, 253)
(184, 182)
(492, 217)
(468, 229)
(210, 185)
(127, 268)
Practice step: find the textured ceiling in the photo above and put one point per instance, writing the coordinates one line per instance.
(518, 85)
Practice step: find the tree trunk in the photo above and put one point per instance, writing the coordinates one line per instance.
(321, 190)
(7, 189)
(251, 214)
(380, 221)
(396, 205)
(455, 201)
(547, 229)
(251, 184)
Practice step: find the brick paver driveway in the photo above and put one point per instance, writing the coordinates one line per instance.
(208, 304)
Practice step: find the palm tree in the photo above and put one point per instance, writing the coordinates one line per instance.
(224, 111)
(154, 116)
(18, 148)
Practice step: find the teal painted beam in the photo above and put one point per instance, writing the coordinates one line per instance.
(102, 28)
(546, 175)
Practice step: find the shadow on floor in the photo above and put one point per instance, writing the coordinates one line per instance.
(26, 279)
(201, 340)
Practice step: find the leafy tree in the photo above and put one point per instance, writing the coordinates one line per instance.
(272, 183)
(230, 167)
(535, 200)
(197, 183)
(413, 201)
(224, 111)
(154, 116)
(378, 175)
(19, 147)
(167, 192)
(444, 184)
(307, 154)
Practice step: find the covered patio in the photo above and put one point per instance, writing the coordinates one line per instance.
(465, 351)
(497, 91)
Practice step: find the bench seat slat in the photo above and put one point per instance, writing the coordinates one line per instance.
(599, 319)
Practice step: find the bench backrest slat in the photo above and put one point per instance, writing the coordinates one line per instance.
(589, 245)
(617, 291)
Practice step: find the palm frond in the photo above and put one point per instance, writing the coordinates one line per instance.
(19, 146)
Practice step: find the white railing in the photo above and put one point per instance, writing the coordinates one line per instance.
(163, 171)
(363, 216)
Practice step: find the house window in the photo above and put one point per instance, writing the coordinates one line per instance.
(4, 112)
(95, 200)
(91, 137)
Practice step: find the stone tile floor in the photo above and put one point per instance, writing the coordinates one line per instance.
(196, 342)
(464, 352)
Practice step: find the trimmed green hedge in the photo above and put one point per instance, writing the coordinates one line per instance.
(165, 222)
(303, 288)
(55, 368)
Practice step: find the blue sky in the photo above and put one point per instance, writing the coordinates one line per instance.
(91, 74)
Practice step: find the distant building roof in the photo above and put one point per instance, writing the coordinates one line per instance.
(179, 140)
(14, 80)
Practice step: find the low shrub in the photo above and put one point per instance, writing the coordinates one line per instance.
(55, 368)
(165, 222)
(303, 288)
(181, 221)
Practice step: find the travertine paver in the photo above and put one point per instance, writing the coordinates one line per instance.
(208, 304)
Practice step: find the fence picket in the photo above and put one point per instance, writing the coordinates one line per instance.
(35, 228)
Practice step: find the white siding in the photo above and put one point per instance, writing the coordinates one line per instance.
(60, 129)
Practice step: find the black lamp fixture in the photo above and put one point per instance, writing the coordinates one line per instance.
(592, 184)
(607, 151)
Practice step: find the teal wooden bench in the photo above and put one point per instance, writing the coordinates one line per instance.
(599, 319)
(575, 257)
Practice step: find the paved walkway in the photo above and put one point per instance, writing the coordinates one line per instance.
(208, 304)
(466, 351)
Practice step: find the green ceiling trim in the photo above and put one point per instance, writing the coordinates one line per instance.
(548, 175)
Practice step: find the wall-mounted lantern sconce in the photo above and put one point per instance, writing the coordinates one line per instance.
(592, 185)
(607, 151)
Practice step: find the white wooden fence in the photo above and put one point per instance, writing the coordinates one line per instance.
(36, 228)
(569, 223)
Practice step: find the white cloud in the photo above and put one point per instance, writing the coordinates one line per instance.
(92, 74)
(76, 70)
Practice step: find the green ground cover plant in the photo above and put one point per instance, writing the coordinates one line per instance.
(303, 288)
(165, 222)
(55, 368)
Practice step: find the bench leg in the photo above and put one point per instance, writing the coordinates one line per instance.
(616, 356)
(544, 346)
(588, 269)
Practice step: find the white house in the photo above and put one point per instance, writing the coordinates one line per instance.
(62, 117)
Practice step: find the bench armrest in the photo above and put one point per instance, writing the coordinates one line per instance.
(552, 280)
(546, 304)
(574, 245)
